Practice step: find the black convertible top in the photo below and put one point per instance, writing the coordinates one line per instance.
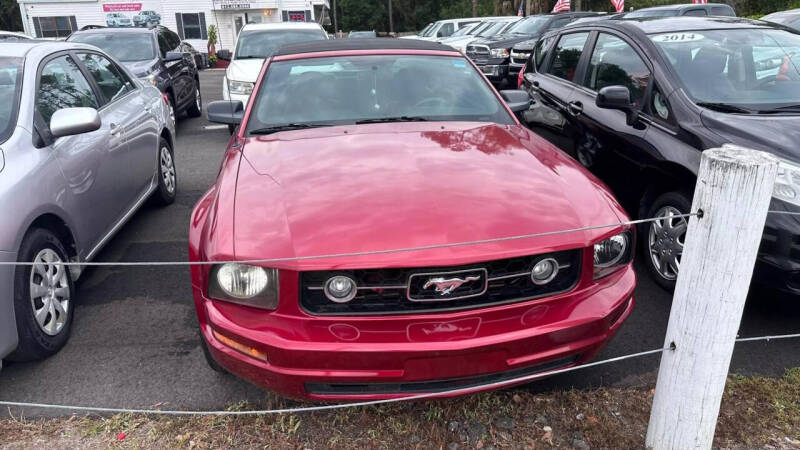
(335, 45)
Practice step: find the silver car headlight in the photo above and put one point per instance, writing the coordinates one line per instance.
(787, 183)
(240, 87)
(613, 253)
(244, 284)
(498, 53)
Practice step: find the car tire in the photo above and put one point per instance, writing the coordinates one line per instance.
(43, 321)
(167, 174)
(662, 241)
(196, 108)
(215, 366)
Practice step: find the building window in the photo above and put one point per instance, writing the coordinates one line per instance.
(192, 25)
(55, 26)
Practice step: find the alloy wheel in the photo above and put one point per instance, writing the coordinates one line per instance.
(197, 100)
(49, 292)
(167, 169)
(665, 241)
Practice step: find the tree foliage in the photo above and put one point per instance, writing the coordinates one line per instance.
(10, 19)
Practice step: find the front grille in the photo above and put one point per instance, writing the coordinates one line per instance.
(399, 291)
(519, 58)
(419, 387)
(479, 54)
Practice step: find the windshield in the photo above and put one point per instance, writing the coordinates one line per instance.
(531, 25)
(652, 13)
(750, 68)
(350, 89)
(424, 30)
(10, 84)
(464, 30)
(429, 31)
(494, 29)
(124, 47)
(262, 43)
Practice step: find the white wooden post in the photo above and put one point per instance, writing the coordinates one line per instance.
(734, 187)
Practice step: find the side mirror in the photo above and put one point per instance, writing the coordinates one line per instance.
(224, 54)
(517, 100)
(618, 97)
(226, 111)
(173, 56)
(71, 121)
(439, 34)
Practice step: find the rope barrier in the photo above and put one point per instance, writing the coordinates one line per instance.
(493, 385)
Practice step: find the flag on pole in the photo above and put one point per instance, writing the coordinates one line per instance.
(561, 6)
(619, 5)
(521, 13)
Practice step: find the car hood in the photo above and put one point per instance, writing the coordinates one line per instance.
(774, 133)
(526, 46)
(503, 40)
(386, 186)
(244, 69)
(140, 68)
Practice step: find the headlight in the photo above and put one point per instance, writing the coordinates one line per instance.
(240, 87)
(498, 53)
(612, 254)
(787, 183)
(241, 283)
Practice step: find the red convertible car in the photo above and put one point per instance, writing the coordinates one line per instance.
(364, 146)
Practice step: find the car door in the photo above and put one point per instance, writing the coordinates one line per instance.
(187, 68)
(607, 143)
(122, 101)
(552, 89)
(90, 162)
(174, 69)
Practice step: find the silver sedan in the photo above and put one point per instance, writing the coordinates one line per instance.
(83, 144)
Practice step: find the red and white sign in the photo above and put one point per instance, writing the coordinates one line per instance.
(619, 5)
(121, 7)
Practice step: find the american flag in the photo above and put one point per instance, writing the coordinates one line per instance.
(561, 6)
(699, 1)
(520, 12)
(619, 5)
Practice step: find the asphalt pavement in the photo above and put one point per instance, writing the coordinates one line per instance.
(135, 340)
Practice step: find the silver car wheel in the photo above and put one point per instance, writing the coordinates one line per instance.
(197, 99)
(49, 292)
(167, 169)
(665, 241)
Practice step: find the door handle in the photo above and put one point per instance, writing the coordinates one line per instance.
(115, 129)
(575, 108)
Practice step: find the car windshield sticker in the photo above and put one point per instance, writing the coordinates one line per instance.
(678, 37)
(459, 63)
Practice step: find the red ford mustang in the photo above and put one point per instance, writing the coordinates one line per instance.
(369, 145)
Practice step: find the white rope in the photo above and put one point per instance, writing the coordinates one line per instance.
(493, 385)
(353, 254)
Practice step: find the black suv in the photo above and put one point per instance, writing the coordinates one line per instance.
(491, 54)
(637, 102)
(153, 55)
(686, 9)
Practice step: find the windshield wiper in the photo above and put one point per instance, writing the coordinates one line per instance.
(781, 109)
(392, 119)
(287, 127)
(725, 107)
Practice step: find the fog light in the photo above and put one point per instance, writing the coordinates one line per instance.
(340, 289)
(544, 271)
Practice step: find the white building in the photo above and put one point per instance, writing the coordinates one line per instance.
(189, 18)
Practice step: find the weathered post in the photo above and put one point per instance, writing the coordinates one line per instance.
(733, 191)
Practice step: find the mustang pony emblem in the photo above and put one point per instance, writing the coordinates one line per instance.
(445, 286)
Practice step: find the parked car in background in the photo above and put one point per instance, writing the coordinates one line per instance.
(431, 147)
(790, 18)
(687, 9)
(200, 59)
(147, 18)
(652, 95)
(83, 144)
(255, 43)
(118, 20)
(482, 30)
(8, 36)
(156, 56)
(492, 54)
(418, 35)
(362, 34)
(445, 28)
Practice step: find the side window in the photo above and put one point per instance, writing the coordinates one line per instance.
(62, 85)
(445, 30)
(658, 106)
(173, 39)
(560, 23)
(615, 63)
(695, 12)
(567, 54)
(721, 11)
(113, 84)
(163, 43)
(541, 51)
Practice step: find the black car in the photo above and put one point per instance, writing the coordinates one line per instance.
(789, 18)
(491, 54)
(637, 101)
(686, 9)
(154, 55)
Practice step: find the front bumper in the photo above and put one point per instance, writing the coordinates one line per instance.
(375, 357)
(8, 322)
